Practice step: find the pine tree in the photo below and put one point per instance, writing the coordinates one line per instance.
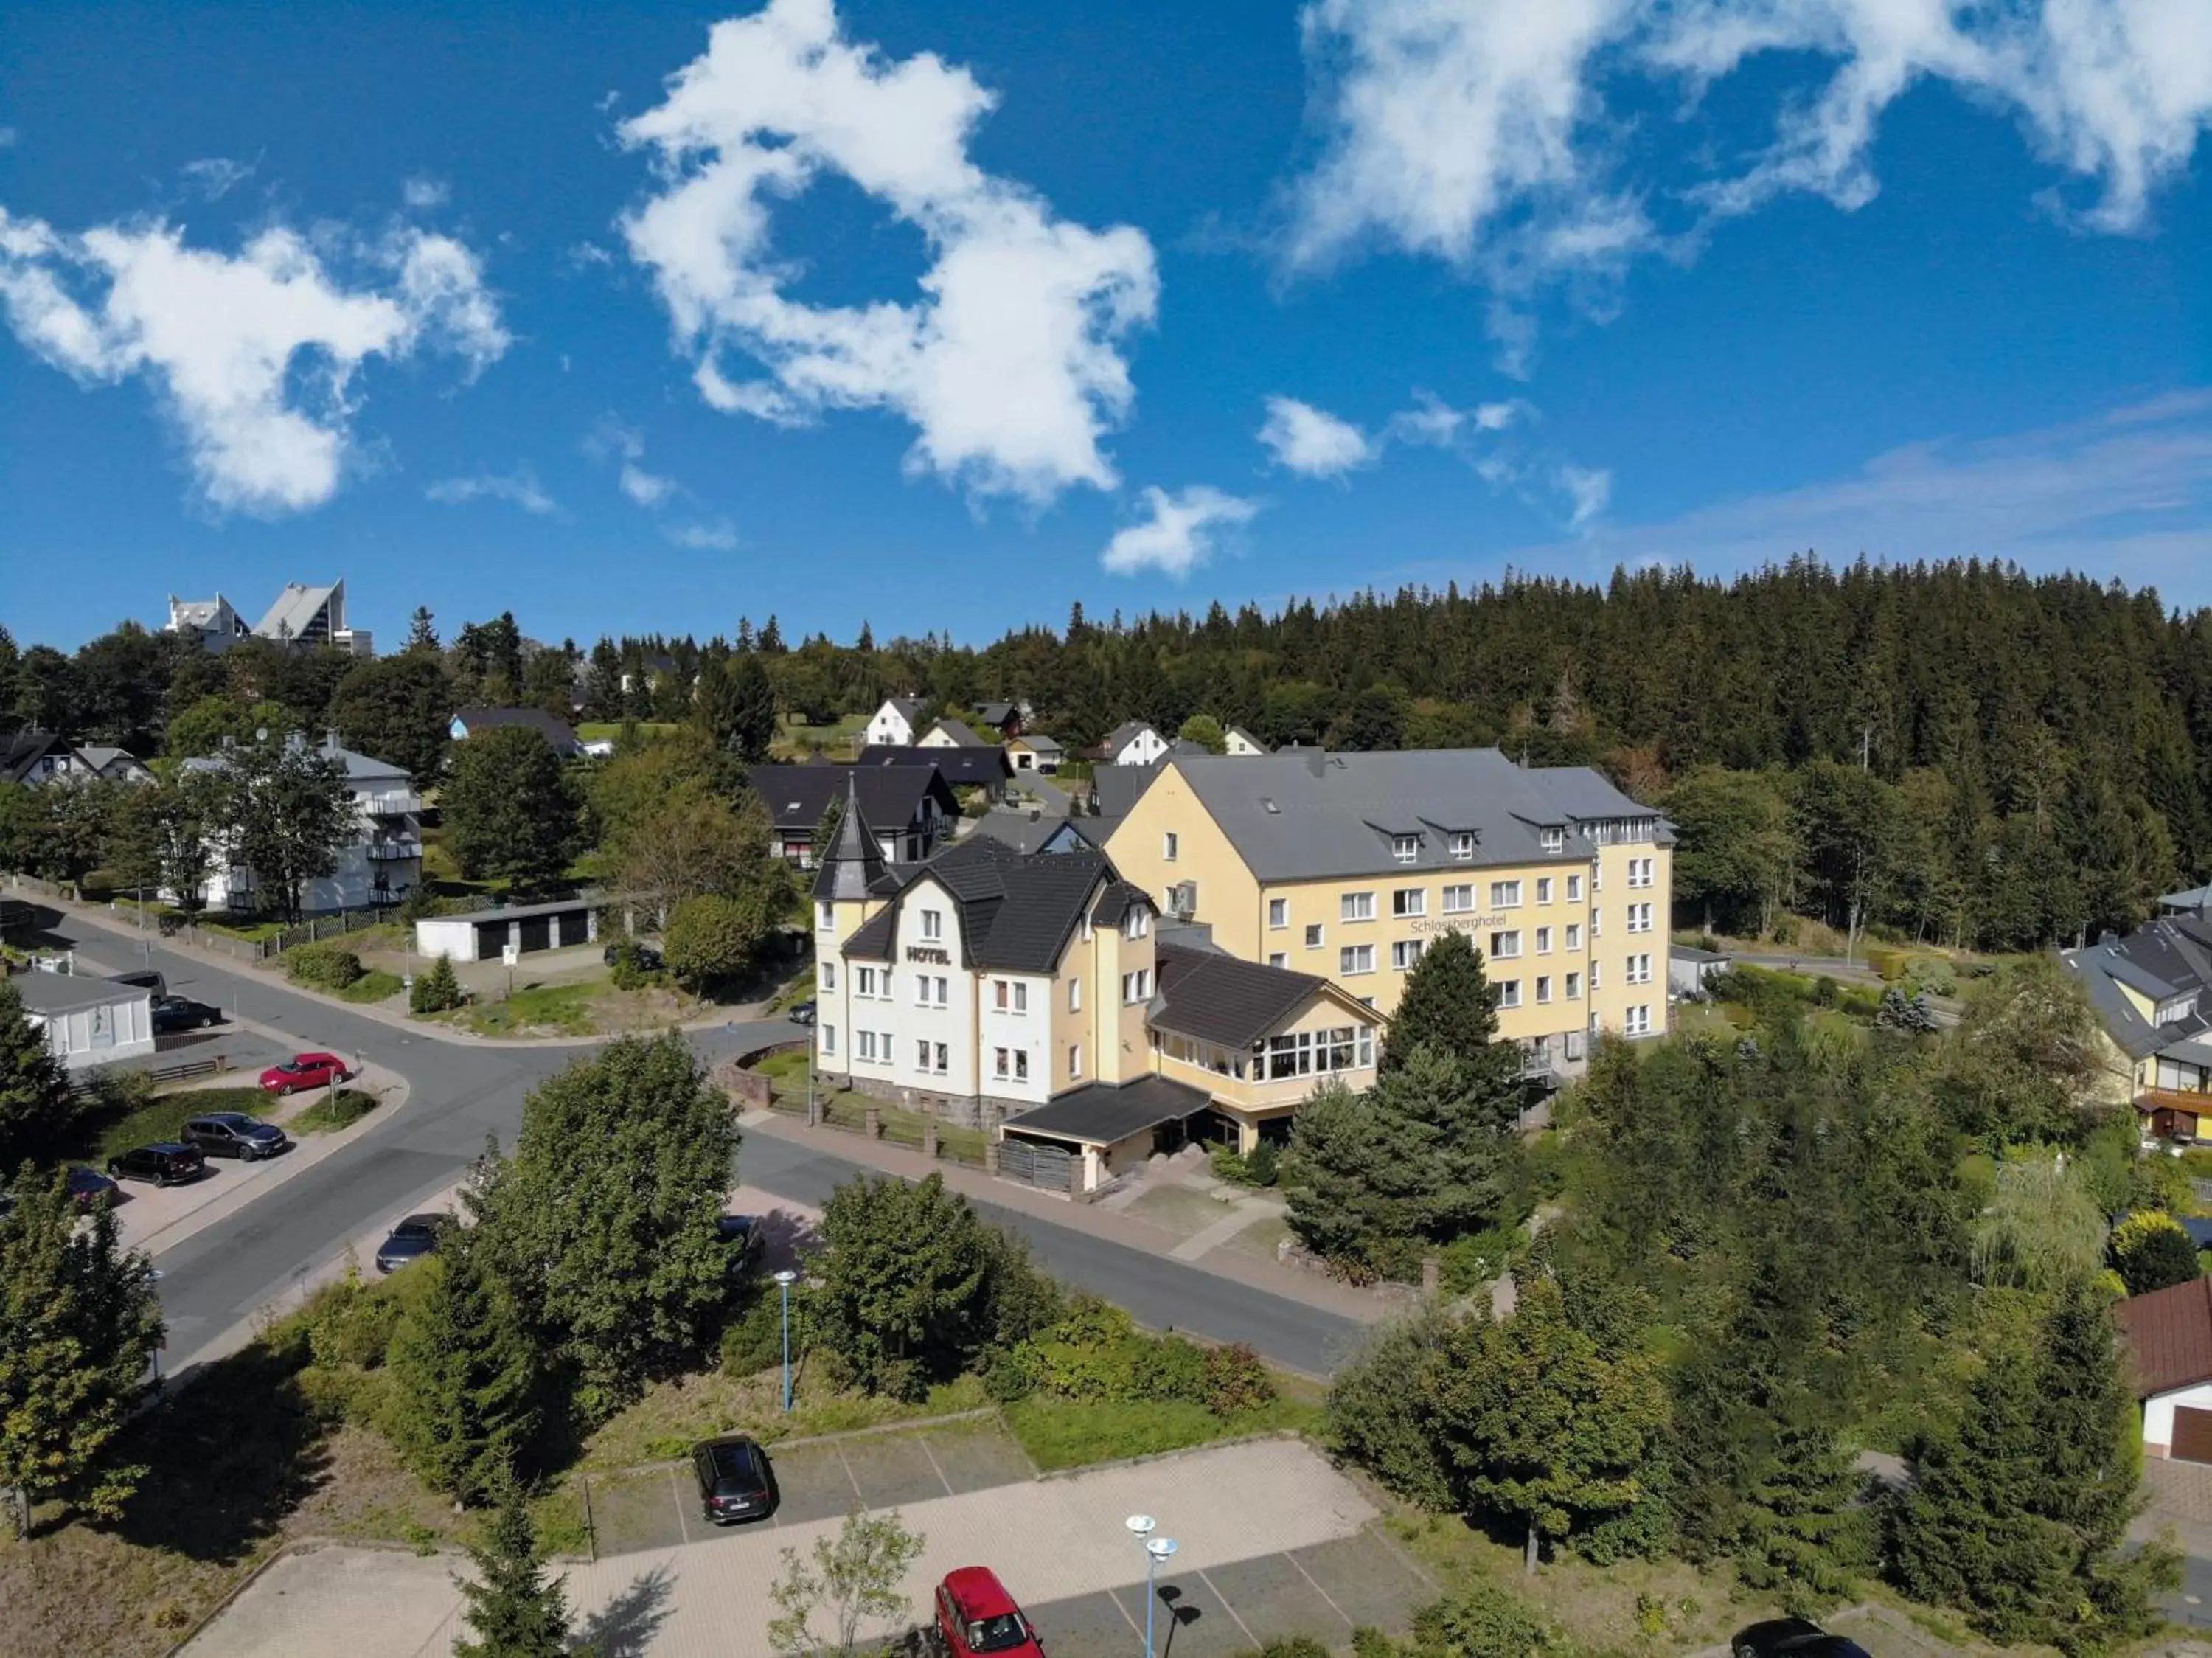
(421, 634)
(36, 1106)
(1447, 1005)
(436, 991)
(1806, 1535)
(511, 1609)
(825, 829)
(465, 1369)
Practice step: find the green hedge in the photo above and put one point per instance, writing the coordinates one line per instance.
(322, 967)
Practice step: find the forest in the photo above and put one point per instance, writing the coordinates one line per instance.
(1956, 751)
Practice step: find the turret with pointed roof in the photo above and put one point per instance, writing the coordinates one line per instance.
(854, 862)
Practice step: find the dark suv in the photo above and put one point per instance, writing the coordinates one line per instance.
(735, 1482)
(234, 1134)
(165, 1163)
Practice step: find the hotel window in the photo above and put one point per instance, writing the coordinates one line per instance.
(1139, 924)
(1406, 953)
(1021, 1065)
(1543, 889)
(868, 985)
(1574, 1044)
(1574, 935)
(1137, 987)
(1459, 900)
(1313, 936)
(1574, 889)
(1075, 1059)
(1278, 912)
(829, 976)
(1504, 894)
(1640, 921)
(1595, 974)
(1168, 843)
(932, 923)
(1302, 1053)
(1462, 846)
(1574, 987)
(1553, 840)
(1597, 923)
(1409, 901)
(1001, 994)
(828, 1038)
(825, 915)
(1075, 995)
(1543, 941)
(1638, 1021)
(921, 1057)
(1404, 848)
(1021, 998)
(1639, 970)
(998, 1063)
(1508, 992)
(1597, 877)
(1356, 959)
(1543, 987)
(1279, 959)
(1639, 871)
(1504, 947)
(1356, 906)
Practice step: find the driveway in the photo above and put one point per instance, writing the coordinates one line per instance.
(1272, 1540)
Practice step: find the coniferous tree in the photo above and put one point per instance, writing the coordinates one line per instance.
(1806, 1534)
(511, 1609)
(1447, 1006)
(465, 1407)
(510, 811)
(422, 631)
(437, 990)
(36, 1106)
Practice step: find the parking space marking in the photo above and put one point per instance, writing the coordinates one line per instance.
(1135, 1628)
(676, 1494)
(1317, 1588)
(1226, 1607)
(923, 1439)
(851, 1479)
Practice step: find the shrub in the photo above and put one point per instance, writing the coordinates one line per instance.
(1090, 1355)
(1235, 1381)
(1228, 1164)
(1170, 1369)
(1931, 974)
(1008, 1375)
(1469, 1263)
(753, 1341)
(2151, 1251)
(1485, 1620)
(437, 990)
(322, 967)
(1287, 1646)
(1889, 962)
(1264, 1163)
(1378, 1413)
(626, 971)
(350, 1323)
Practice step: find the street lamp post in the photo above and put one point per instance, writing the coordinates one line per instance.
(784, 1280)
(1157, 1549)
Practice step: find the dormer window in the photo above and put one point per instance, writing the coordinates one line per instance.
(1553, 840)
(1404, 848)
(1462, 845)
(1139, 924)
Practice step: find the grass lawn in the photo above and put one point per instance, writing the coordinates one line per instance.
(375, 986)
(610, 730)
(256, 932)
(673, 1415)
(159, 1119)
(786, 1070)
(327, 1116)
(563, 1009)
(1063, 1434)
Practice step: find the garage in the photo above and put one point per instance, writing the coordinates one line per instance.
(2192, 1434)
(2169, 1337)
(484, 935)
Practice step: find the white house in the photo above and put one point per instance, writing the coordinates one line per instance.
(301, 615)
(88, 1021)
(951, 733)
(2170, 1334)
(894, 723)
(1132, 742)
(378, 865)
(1241, 741)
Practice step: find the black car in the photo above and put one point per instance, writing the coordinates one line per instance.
(88, 1186)
(647, 959)
(1792, 1638)
(234, 1134)
(412, 1239)
(742, 1233)
(181, 1012)
(167, 1162)
(801, 1013)
(144, 978)
(735, 1480)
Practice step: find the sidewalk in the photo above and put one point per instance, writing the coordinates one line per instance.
(1255, 1272)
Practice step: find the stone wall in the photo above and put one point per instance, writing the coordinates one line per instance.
(963, 1110)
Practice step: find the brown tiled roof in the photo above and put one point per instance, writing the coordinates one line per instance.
(2170, 1333)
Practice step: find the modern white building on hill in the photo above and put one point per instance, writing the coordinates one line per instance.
(300, 615)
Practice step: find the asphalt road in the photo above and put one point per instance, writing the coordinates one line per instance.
(464, 1093)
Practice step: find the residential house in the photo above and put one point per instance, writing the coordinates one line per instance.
(1243, 743)
(1032, 830)
(1006, 719)
(1115, 790)
(112, 764)
(1132, 742)
(560, 736)
(1017, 992)
(2148, 989)
(910, 808)
(88, 1022)
(1347, 866)
(949, 734)
(1034, 752)
(35, 757)
(2169, 1335)
(380, 864)
(984, 768)
(894, 723)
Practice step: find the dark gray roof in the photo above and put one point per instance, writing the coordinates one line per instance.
(2195, 900)
(892, 796)
(1218, 999)
(1117, 788)
(1308, 813)
(1015, 912)
(963, 767)
(1691, 953)
(1099, 1113)
(1025, 832)
(2166, 958)
(853, 864)
(1095, 829)
(909, 708)
(591, 900)
(23, 750)
(1114, 904)
(57, 993)
(963, 734)
(1039, 742)
(1122, 734)
(556, 731)
(994, 713)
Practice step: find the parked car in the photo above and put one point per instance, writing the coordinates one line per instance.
(88, 1186)
(647, 958)
(165, 1162)
(1792, 1638)
(801, 1013)
(145, 978)
(181, 1012)
(743, 1235)
(735, 1480)
(412, 1239)
(305, 1070)
(234, 1134)
(975, 1615)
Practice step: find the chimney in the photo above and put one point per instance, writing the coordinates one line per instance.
(330, 741)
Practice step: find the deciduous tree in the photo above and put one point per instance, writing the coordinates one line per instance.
(510, 812)
(847, 1592)
(287, 814)
(712, 936)
(902, 1288)
(397, 709)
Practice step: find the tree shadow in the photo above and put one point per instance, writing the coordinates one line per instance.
(227, 1458)
(625, 1626)
(1181, 1612)
(785, 1239)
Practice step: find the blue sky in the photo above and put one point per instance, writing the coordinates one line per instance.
(944, 316)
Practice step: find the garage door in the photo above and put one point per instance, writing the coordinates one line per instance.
(491, 939)
(536, 932)
(576, 927)
(2192, 1434)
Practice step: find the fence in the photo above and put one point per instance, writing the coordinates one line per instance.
(183, 1070)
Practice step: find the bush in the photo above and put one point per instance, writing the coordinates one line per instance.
(1228, 1164)
(1482, 1621)
(1090, 1355)
(1378, 1414)
(1889, 962)
(1007, 1376)
(1235, 1381)
(753, 1341)
(2151, 1251)
(350, 1323)
(1287, 1646)
(1264, 1163)
(322, 967)
(438, 989)
(1172, 1368)
(1931, 974)
(627, 972)
(711, 937)
(1467, 1264)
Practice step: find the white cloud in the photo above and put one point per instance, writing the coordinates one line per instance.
(719, 536)
(1009, 364)
(1588, 489)
(586, 253)
(1478, 133)
(1312, 442)
(519, 488)
(216, 176)
(610, 440)
(423, 193)
(254, 356)
(1180, 533)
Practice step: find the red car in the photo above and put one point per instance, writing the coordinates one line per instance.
(305, 1070)
(976, 1616)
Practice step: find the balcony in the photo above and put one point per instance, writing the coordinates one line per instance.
(393, 803)
(394, 846)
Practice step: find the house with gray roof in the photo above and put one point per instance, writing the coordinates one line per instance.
(378, 865)
(2149, 989)
(895, 724)
(88, 1022)
(1132, 742)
